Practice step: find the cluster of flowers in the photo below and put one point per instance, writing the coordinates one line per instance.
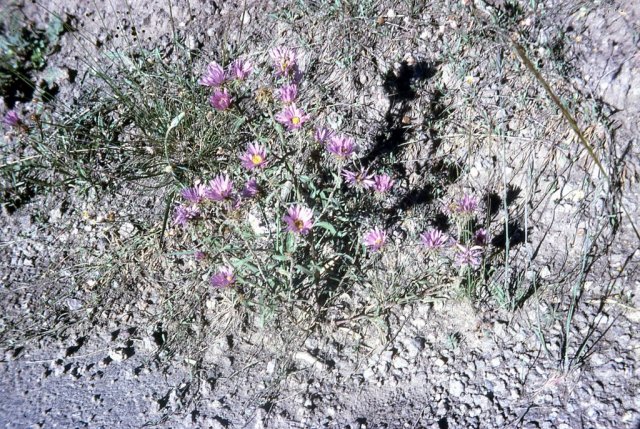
(216, 77)
(299, 219)
(285, 62)
(344, 148)
(220, 189)
(436, 241)
(465, 254)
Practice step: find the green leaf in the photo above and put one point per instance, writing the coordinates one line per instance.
(176, 121)
(327, 226)
(243, 263)
(290, 243)
(54, 30)
(54, 75)
(304, 270)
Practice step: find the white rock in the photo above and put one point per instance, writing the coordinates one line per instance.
(55, 215)
(386, 356)
(456, 388)
(368, 374)
(126, 230)
(399, 363)
(419, 323)
(482, 402)
(545, 272)
(271, 366)
(117, 355)
(306, 357)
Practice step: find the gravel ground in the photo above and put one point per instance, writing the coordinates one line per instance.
(441, 364)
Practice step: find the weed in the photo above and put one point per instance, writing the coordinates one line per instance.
(23, 51)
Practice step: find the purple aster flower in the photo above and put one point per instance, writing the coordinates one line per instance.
(292, 117)
(341, 146)
(184, 214)
(374, 239)
(358, 179)
(199, 255)
(220, 188)
(11, 119)
(220, 100)
(254, 157)
(193, 195)
(223, 278)
(299, 219)
(468, 256)
(284, 60)
(288, 93)
(213, 76)
(382, 183)
(465, 206)
(433, 239)
(323, 134)
(240, 69)
(250, 189)
(481, 237)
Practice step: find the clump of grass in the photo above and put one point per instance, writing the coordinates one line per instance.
(270, 211)
(295, 217)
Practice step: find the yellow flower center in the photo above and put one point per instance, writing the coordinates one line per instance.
(256, 159)
(299, 224)
(229, 278)
(284, 65)
(295, 120)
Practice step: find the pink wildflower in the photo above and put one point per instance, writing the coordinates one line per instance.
(382, 183)
(341, 146)
(184, 214)
(375, 238)
(220, 100)
(284, 60)
(223, 278)
(193, 195)
(292, 117)
(323, 134)
(213, 76)
(220, 188)
(240, 69)
(11, 119)
(254, 157)
(465, 206)
(358, 179)
(288, 93)
(250, 189)
(299, 219)
(433, 239)
(468, 255)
